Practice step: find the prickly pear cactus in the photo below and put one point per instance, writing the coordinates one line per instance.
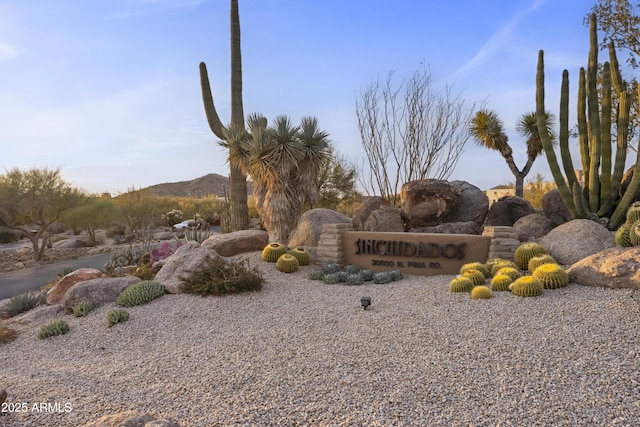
(476, 266)
(273, 251)
(287, 263)
(552, 276)
(140, 293)
(539, 260)
(501, 282)
(481, 292)
(117, 315)
(525, 252)
(461, 284)
(57, 327)
(476, 277)
(527, 286)
(302, 255)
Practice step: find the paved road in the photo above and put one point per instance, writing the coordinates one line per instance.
(20, 281)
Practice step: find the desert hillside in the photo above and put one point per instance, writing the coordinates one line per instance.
(210, 184)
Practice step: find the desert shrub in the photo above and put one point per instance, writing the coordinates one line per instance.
(117, 315)
(355, 279)
(316, 274)
(331, 278)
(7, 334)
(367, 274)
(330, 267)
(21, 303)
(145, 272)
(395, 275)
(382, 277)
(8, 236)
(140, 293)
(225, 276)
(57, 327)
(351, 269)
(83, 308)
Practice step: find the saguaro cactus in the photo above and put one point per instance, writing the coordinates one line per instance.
(237, 180)
(600, 196)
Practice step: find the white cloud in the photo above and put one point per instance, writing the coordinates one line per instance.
(8, 51)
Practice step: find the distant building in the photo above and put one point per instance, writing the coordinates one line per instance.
(499, 191)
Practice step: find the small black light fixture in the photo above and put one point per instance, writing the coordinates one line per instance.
(365, 302)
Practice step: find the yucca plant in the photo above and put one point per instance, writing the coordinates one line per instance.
(21, 303)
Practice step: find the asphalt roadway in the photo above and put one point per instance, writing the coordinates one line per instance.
(28, 279)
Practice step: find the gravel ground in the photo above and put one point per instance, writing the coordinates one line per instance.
(303, 353)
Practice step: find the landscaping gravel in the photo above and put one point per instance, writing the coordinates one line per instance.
(304, 353)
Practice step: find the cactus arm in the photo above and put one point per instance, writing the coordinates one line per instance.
(606, 197)
(593, 112)
(616, 77)
(583, 134)
(580, 201)
(563, 137)
(209, 107)
(621, 149)
(546, 140)
(629, 195)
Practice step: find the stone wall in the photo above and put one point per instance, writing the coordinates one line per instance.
(330, 243)
(504, 241)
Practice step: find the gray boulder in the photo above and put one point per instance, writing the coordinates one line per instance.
(177, 269)
(615, 268)
(57, 292)
(577, 239)
(472, 204)
(99, 291)
(230, 244)
(307, 232)
(507, 210)
(385, 218)
(428, 202)
(362, 212)
(554, 208)
(532, 226)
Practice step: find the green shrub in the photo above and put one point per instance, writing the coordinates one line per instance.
(7, 334)
(8, 236)
(382, 277)
(83, 308)
(355, 279)
(117, 315)
(140, 293)
(67, 270)
(221, 276)
(330, 267)
(316, 274)
(367, 274)
(351, 269)
(395, 275)
(57, 327)
(21, 303)
(331, 278)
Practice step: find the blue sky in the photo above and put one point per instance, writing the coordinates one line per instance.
(108, 90)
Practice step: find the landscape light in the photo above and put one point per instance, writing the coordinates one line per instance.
(365, 302)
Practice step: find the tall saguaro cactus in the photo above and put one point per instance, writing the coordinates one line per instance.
(237, 179)
(600, 195)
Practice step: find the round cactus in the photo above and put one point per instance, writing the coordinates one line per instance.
(476, 277)
(622, 237)
(499, 264)
(57, 327)
(481, 292)
(273, 251)
(512, 272)
(287, 263)
(633, 213)
(551, 276)
(539, 260)
(140, 293)
(525, 252)
(476, 266)
(527, 286)
(501, 282)
(461, 284)
(302, 255)
(634, 233)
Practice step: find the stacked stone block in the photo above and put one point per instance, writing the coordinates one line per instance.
(504, 241)
(330, 243)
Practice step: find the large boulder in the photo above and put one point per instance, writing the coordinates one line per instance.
(507, 210)
(577, 239)
(182, 264)
(230, 244)
(615, 267)
(56, 294)
(307, 232)
(468, 227)
(362, 212)
(428, 202)
(103, 290)
(131, 419)
(533, 226)
(385, 218)
(554, 208)
(472, 204)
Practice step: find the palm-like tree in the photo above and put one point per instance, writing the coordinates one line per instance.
(488, 131)
(283, 161)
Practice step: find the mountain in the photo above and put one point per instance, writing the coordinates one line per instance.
(208, 185)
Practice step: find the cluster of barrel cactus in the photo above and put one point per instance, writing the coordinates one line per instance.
(140, 293)
(504, 275)
(117, 315)
(331, 273)
(286, 261)
(628, 234)
(57, 327)
(83, 308)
